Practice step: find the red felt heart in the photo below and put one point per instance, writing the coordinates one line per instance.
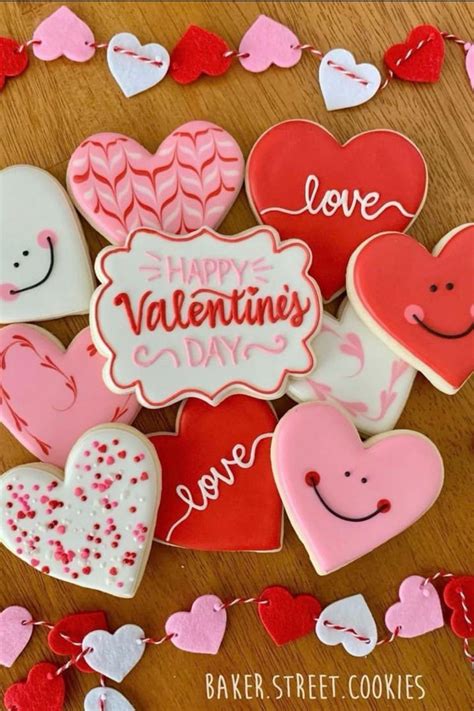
(42, 691)
(12, 61)
(287, 617)
(420, 58)
(459, 596)
(233, 508)
(199, 52)
(67, 634)
(420, 303)
(336, 215)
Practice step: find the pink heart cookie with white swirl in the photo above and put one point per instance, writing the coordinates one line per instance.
(345, 497)
(192, 180)
(93, 528)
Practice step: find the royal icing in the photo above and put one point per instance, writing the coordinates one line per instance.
(344, 83)
(50, 395)
(95, 528)
(215, 478)
(334, 196)
(192, 180)
(134, 67)
(356, 371)
(205, 315)
(425, 313)
(45, 270)
(345, 497)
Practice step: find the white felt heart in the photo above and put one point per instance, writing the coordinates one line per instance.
(136, 67)
(348, 622)
(114, 655)
(344, 83)
(45, 269)
(94, 528)
(111, 700)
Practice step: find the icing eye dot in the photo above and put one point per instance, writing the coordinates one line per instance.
(16, 264)
(312, 478)
(449, 286)
(433, 287)
(364, 480)
(25, 253)
(347, 473)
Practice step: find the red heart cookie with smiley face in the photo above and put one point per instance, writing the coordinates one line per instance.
(420, 304)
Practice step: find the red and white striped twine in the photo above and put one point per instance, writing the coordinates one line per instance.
(349, 630)
(310, 48)
(27, 44)
(453, 38)
(50, 626)
(235, 53)
(150, 640)
(71, 662)
(241, 601)
(138, 57)
(436, 576)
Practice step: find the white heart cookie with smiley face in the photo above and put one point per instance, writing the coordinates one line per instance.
(45, 269)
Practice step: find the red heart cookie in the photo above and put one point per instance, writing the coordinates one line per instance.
(12, 61)
(67, 634)
(42, 691)
(420, 304)
(459, 596)
(287, 617)
(218, 488)
(199, 52)
(420, 58)
(302, 181)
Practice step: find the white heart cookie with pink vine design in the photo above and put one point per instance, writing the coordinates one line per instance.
(192, 180)
(357, 371)
(95, 527)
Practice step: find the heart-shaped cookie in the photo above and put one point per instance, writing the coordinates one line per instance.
(49, 396)
(420, 304)
(192, 180)
(45, 269)
(215, 478)
(357, 371)
(344, 83)
(95, 528)
(302, 181)
(114, 655)
(136, 67)
(345, 497)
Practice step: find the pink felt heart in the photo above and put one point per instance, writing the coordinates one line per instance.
(202, 629)
(63, 34)
(50, 396)
(346, 497)
(15, 633)
(469, 62)
(192, 180)
(267, 42)
(419, 610)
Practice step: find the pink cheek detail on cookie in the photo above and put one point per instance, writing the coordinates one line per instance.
(412, 311)
(471, 310)
(312, 478)
(42, 238)
(384, 505)
(6, 292)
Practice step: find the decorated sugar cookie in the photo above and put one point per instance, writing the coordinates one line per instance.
(334, 196)
(345, 497)
(216, 475)
(51, 395)
(192, 180)
(357, 371)
(205, 315)
(95, 527)
(420, 304)
(45, 270)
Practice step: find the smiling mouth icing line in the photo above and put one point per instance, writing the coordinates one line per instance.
(46, 276)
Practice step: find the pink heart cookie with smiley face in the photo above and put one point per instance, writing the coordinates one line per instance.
(345, 497)
(420, 304)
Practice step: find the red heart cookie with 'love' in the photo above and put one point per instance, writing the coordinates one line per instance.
(459, 596)
(302, 181)
(287, 617)
(420, 304)
(42, 691)
(218, 487)
(420, 58)
(66, 636)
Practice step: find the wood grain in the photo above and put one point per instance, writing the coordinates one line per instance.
(45, 114)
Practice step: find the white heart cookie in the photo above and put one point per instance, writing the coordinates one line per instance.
(345, 622)
(111, 700)
(132, 73)
(95, 528)
(340, 89)
(114, 655)
(45, 269)
(357, 371)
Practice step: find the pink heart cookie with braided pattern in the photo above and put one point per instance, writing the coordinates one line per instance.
(192, 180)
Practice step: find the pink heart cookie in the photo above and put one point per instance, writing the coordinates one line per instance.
(63, 34)
(345, 497)
(192, 180)
(268, 42)
(419, 610)
(49, 396)
(202, 629)
(15, 633)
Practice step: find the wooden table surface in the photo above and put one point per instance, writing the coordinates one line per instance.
(45, 115)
